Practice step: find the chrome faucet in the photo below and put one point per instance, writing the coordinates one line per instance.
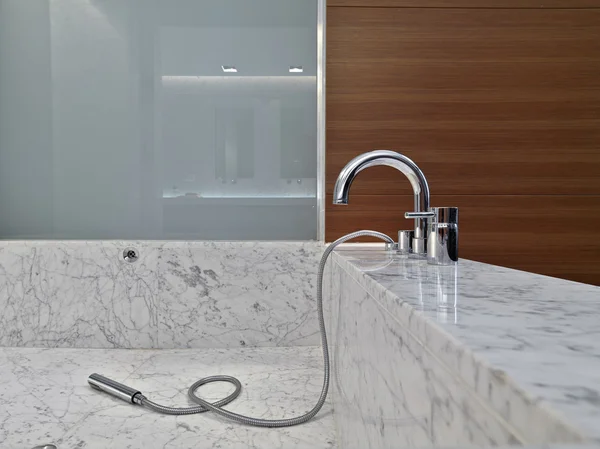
(436, 228)
(409, 169)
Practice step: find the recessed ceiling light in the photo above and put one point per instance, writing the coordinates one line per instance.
(229, 69)
(296, 69)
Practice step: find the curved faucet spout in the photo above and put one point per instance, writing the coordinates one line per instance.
(393, 159)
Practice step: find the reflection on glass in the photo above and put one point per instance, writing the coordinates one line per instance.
(156, 119)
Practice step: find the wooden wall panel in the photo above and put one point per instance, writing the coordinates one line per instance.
(475, 97)
(543, 234)
(500, 108)
(479, 4)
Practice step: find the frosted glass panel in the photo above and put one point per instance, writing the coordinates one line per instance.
(158, 119)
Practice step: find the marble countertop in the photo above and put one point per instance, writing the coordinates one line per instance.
(531, 337)
(45, 398)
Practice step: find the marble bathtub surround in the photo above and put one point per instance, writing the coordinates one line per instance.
(238, 294)
(188, 294)
(524, 343)
(390, 392)
(423, 356)
(77, 294)
(48, 399)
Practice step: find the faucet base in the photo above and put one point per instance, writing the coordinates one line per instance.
(392, 247)
(419, 246)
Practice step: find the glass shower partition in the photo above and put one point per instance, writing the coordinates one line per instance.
(154, 119)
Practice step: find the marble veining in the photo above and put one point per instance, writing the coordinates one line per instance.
(238, 294)
(525, 343)
(45, 398)
(187, 294)
(390, 392)
(81, 294)
(422, 356)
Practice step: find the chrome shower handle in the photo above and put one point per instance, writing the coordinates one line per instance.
(114, 388)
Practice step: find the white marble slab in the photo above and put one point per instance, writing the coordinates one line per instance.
(45, 398)
(389, 391)
(525, 343)
(188, 294)
(219, 294)
(77, 294)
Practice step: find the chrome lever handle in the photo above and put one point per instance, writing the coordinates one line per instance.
(419, 214)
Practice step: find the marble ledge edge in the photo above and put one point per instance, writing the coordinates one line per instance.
(459, 359)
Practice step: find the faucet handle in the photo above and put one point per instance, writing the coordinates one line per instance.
(442, 242)
(447, 215)
(419, 242)
(419, 214)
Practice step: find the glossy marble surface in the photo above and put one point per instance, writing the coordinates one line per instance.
(389, 391)
(45, 398)
(177, 295)
(526, 344)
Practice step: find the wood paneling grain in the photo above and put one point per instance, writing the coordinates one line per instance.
(543, 234)
(495, 4)
(499, 107)
(486, 102)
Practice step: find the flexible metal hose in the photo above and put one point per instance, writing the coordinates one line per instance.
(217, 406)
